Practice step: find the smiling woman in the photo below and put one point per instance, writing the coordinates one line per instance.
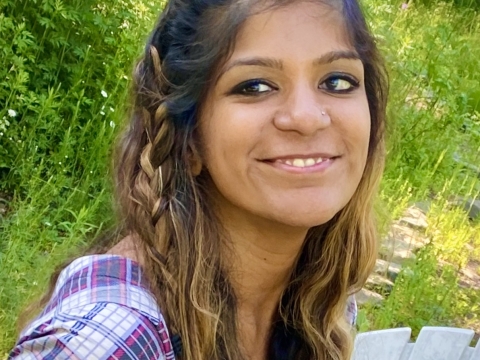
(285, 129)
(245, 182)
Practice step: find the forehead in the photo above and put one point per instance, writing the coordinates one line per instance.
(313, 26)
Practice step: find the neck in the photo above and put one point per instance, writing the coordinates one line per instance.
(260, 265)
(259, 257)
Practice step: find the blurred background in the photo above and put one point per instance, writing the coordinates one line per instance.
(65, 70)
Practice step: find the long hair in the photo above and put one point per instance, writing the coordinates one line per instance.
(168, 207)
(166, 204)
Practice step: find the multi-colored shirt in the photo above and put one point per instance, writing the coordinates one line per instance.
(101, 308)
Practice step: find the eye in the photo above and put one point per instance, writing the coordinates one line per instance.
(253, 87)
(340, 83)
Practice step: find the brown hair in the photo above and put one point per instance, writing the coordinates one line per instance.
(167, 206)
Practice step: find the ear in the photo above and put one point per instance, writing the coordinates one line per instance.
(194, 160)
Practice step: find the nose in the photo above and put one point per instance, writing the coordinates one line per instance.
(302, 111)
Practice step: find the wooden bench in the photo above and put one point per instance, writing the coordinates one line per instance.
(433, 343)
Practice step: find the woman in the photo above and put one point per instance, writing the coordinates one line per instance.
(245, 182)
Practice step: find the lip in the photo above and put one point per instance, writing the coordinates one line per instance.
(326, 163)
(302, 156)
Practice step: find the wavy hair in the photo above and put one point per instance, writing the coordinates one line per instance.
(166, 204)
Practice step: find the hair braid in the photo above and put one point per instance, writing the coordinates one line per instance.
(145, 181)
(163, 194)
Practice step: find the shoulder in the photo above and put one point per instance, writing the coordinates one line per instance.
(100, 308)
(128, 247)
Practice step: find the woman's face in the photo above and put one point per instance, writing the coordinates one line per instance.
(285, 128)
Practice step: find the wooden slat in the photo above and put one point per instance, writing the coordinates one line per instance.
(407, 351)
(467, 354)
(441, 343)
(381, 344)
(476, 352)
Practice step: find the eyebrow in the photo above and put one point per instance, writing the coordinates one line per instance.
(254, 61)
(337, 55)
(326, 58)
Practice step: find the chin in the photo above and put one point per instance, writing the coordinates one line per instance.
(306, 220)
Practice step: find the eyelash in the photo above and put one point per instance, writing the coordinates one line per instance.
(354, 83)
(242, 88)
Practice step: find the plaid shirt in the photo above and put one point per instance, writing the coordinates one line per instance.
(102, 309)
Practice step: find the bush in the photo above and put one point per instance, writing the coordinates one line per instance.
(65, 68)
(434, 103)
(474, 4)
(64, 76)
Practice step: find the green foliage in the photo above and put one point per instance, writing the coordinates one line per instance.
(27, 257)
(64, 68)
(433, 155)
(64, 76)
(452, 235)
(473, 4)
(421, 296)
(425, 294)
(434, 102)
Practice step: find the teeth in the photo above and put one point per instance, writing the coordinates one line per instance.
(310, 162)
(300, 163)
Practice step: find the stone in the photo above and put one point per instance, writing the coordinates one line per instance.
(415, 218)
(474, 168)
(424, 206)
(3, 208)
(401, 243)
(472, 207)
(469, 205)
(387, 268)
(379, 283)
(470, 275)
(365, 296)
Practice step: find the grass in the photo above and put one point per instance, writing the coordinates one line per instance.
(56, 132)
(434, 114)
(54, 151)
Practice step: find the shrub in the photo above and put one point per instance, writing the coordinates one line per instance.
(64, 76)
(65, 68)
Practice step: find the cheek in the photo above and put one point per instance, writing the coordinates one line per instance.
(229, 134)
(357, 126)
(363, 135)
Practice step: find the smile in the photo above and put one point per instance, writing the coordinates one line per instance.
(301, 163)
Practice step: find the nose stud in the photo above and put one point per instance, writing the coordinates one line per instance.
(324, 113)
